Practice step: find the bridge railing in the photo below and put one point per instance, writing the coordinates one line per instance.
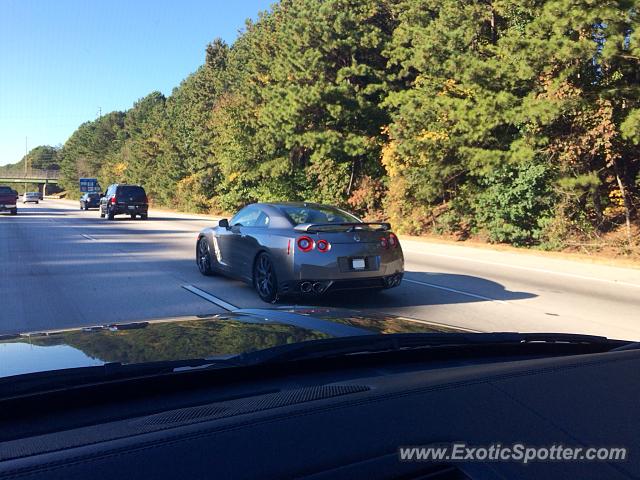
(32, 174)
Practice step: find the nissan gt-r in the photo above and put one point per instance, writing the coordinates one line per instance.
(296, 248)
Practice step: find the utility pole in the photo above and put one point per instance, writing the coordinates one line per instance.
(26, 161)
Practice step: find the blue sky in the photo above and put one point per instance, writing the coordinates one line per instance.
(63, 60)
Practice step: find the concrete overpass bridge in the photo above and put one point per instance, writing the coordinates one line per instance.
(40, 177)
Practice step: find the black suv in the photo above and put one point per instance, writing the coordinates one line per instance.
(122, 199)
(89, 200)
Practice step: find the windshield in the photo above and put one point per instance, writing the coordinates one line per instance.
(317, 214)
(277, 172)
(132, 192)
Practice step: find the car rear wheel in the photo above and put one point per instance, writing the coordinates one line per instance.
(203, 257)
(133, 216)
(264, 278)
(144, 216)
(14, 211)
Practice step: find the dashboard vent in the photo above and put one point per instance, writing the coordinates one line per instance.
(291, 397)
(171, 419)
(183, 415)
(247, 405)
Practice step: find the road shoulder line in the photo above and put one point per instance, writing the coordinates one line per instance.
(453, 290)
(210, 298)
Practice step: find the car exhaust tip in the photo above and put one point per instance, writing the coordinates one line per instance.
(318, 287)
(306, 287)
(393, 280)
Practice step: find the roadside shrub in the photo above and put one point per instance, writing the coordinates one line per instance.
(515, 204)
(190, 197)
(366, 199)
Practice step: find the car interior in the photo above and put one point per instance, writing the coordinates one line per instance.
(341, 417)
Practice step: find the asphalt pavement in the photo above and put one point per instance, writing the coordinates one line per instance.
(61, 267)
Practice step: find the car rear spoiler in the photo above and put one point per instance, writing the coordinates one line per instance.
(348, 227)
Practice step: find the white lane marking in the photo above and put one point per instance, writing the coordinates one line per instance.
(532, 269)
(88, 237)
(453, 290)
(210, 298)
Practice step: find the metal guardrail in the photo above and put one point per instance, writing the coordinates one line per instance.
(32, 174)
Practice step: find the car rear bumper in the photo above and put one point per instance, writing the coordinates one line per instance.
(339, 264)
(331, 272)
(129, 209)
(7, 207)
(321, 287)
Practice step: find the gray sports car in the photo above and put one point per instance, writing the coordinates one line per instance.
(290, 248)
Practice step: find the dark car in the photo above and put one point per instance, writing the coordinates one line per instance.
(8, 200)
(122, 199)
(296, 248)
(89, 200)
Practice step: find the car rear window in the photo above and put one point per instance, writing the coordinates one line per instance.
(134, 193)
(317, 214)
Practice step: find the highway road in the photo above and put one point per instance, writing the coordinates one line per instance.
(61, 267)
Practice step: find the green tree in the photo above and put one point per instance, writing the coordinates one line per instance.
(42, 157)
(301, 118)
(85, 152)
(516, 120)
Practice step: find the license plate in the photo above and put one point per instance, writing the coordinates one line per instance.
(357, 263)
(131, 207)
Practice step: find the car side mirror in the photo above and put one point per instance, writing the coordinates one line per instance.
(224, 223)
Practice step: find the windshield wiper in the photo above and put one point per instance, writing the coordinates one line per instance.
(368, 344)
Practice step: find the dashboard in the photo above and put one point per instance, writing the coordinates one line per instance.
(331, 419)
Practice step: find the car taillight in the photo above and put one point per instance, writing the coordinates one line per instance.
(113, 200)
(323, 245)
(384, 243)
(393, 240)
(305, 244)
